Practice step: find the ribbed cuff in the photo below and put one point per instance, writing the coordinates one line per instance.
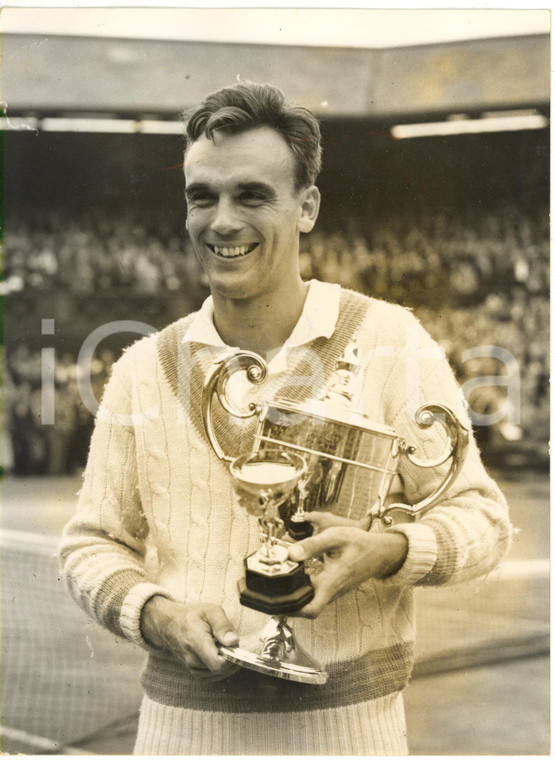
(132, 607)
(421, 555)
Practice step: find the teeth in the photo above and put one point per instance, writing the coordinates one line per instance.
(239, 250)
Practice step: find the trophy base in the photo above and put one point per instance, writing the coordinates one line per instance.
(290, 594)
(274, 652)
(299, 529)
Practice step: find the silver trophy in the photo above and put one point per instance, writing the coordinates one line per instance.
(338, 461)
(272, 583)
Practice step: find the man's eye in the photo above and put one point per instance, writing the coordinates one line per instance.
(252, 198)
(202, 200)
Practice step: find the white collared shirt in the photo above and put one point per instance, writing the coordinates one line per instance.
(318, 319)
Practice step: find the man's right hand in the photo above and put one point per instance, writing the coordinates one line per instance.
(190, 632)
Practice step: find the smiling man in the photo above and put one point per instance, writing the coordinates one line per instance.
(157, 545)
(245, 211)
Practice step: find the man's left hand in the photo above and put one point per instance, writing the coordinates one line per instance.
(351, 556)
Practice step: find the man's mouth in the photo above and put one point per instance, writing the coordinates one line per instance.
(232, 252)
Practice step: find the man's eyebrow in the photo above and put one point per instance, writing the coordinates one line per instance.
(254, 186)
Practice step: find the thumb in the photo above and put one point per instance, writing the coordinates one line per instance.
(327, 540)
(221, 627)
(323, 520)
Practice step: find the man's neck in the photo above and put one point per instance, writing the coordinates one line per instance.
(262, 324)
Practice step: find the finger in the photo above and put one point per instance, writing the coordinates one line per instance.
(365, 523)
(211, 659)
(325, 520)
(327, 540)
(202, 652)
(310, 610)
(200, 646)
(199, 669)
(325, 592)
(193, 662)
(229, 667)
(221, 626)
(203, 674)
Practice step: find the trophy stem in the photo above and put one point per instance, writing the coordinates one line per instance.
(279, 642)
(268, 532)
(274, 651)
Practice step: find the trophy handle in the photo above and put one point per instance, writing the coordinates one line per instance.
(458, 435)
(216, 384)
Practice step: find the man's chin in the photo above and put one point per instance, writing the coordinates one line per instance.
(234, 288)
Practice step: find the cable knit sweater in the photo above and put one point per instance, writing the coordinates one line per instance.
(158, 514)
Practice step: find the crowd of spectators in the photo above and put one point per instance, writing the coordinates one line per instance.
(511, 336)
(42, 440)
(98, 251)
(437, 258)
(474, 278)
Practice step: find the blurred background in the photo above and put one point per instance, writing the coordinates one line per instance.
(435, 195)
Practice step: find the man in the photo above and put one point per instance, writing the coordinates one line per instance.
(157, 546)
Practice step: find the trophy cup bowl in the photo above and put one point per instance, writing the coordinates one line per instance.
(275, 473)
(273, 583)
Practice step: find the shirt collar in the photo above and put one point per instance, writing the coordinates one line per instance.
(318, 319)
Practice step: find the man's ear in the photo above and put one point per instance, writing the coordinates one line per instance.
(310, 206)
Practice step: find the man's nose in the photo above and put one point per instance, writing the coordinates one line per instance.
(226, 219)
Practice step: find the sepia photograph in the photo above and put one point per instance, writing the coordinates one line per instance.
(275, 442)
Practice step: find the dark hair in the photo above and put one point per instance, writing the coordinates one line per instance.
(248, 105)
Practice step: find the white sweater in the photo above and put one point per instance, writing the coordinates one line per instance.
(158, 514)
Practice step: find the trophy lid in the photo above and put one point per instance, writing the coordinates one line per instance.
(336, 403)
(325, 411)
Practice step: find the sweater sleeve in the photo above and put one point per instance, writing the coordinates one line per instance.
(467, 533)
(103, 546)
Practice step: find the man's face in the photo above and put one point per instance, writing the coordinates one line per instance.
(244, 214)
